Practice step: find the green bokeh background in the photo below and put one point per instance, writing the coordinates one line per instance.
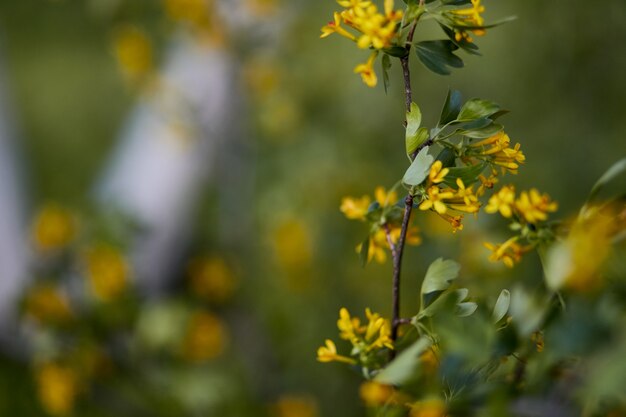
(560, 68)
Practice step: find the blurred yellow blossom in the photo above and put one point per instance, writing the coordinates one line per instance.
(205, 337)
(295, 406)
(385, 198)
(379, 242)
(263, 7)
(374, 394)
(503, 201)
(53, 228)
(368, 75)
(47, 304)
(211, 278)
(107, 271)
(355, 208)
(133, 51)
(328, 353)
(534, 207)
(293, 244)
(195, 12)
(57, 387)
(510, 252)
(432, 407)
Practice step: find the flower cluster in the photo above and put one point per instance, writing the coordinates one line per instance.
(376, 30)
(384, 217)
(366, 339)
(527, 211)
(442, 200)
(497, 151)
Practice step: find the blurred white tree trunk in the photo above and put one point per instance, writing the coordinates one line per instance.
(169, 151)
(13, 235)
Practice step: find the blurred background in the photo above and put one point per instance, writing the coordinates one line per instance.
(170, 179)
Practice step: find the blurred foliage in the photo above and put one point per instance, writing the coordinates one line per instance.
(237, 333)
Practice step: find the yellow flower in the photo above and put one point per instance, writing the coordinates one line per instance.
(53, 228)
(429, 359)
(328, 353)
(367, 71)
(497, 149)
(534, 207)
(57, 387)
(211, 279)
(295, 406)
(385, 198)
(434, 199)
(379, 244)
(133, 51)
(335, 27)
(433, 407)
(46, 304)
(510, 252)
(354, 208)
(348, 326)
(486, 183)
(205, 337)
(503, 201)
(107, 271)
(437, 172)
(378, 332)
(374, 394)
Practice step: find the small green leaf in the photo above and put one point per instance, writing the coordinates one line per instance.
(440, 275)
(447, 157)
(467, 174)
(414, 142)
(451, 107)
(438, 55)
(364, 253)
(446, 298)
(502, 306)
(413, 120)
(483, 132)
(405, 366)
(418, 171)
(466, 309)
(386, 64)
(477, 108)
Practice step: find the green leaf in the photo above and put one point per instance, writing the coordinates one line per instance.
(438, 55)
(451, 107)
(502, 306)
(477, 108)
(468, 174)
(418, 171)
(615, 170)
(395, 51)
(415, 141)
(405, 366)
(466, 309)
(364, 253)
(440, 275)
(447, 298)
(413, 120)
(447, 157)
(386, 64)
(483, 132)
